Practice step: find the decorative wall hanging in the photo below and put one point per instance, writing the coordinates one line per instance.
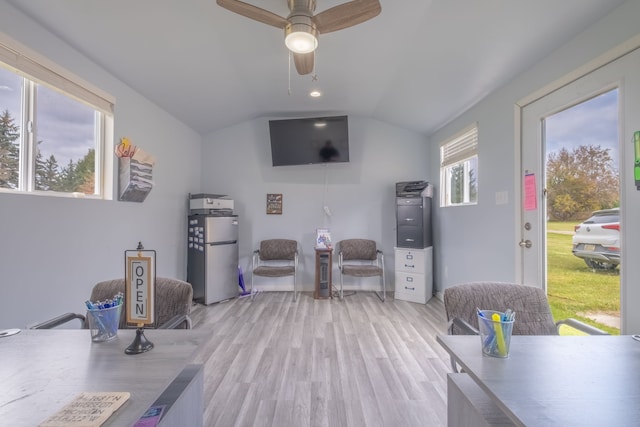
(274, 204)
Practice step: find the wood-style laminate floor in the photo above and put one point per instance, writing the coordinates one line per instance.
(357, 362)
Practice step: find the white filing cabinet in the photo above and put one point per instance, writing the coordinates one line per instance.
(414, 274)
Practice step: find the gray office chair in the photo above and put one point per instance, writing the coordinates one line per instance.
(275, 258)
(533, 313)
(361, 258)
(173, 304)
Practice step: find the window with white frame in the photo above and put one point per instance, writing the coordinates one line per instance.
(459, 168)
(53, 126)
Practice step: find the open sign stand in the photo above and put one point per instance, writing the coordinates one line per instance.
(140, 294)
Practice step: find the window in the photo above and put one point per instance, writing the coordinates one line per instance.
(53, 127)
(459, 169)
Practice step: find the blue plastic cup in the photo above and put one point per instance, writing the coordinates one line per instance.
(103, 323)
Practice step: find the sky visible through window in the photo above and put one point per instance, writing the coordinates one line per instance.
(10, 93)
(65, 126)
(593, 122)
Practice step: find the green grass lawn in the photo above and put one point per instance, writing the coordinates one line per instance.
(562, 226)
(573, 288)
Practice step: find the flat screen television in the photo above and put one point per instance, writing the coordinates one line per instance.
(308, 141)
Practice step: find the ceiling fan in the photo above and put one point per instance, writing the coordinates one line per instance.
(302, 27)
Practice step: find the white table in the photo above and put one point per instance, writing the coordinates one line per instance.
(557, 380)
(43, 370)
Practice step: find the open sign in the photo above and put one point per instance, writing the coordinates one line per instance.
(140, 279)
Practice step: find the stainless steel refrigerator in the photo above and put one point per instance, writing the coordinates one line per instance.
(212, 264)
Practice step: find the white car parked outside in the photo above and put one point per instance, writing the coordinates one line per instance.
(597, 240)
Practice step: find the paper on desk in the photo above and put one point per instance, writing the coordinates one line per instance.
(88, 409)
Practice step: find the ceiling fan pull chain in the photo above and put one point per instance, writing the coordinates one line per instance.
(314, 76)
(289, 90)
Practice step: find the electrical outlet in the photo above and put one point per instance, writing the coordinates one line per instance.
(502, 197)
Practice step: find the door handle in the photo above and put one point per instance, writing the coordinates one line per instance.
(525, 243)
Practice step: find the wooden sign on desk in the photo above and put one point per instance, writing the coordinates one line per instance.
(89, 409)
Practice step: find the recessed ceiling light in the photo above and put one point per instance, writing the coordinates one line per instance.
(315, 93)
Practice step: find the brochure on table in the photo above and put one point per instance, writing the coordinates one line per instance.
(323, 238)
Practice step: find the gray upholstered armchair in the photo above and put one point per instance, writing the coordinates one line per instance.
(276, 258)
(533, 314)
(173, 304)
(361, 258)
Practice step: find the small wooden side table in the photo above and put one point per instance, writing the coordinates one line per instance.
(323, 287)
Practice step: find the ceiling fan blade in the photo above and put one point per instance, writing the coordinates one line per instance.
(304, 62)
(346, 15)
(253, 12)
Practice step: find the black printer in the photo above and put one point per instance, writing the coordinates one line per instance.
(410, 188)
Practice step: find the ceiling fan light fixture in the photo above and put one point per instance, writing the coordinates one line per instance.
(302, 27)
(301, 42)
(300, 35)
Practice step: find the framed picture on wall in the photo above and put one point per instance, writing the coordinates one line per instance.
(274, 204)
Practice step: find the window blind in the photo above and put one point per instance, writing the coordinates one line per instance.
(34, 66)
(460, 147)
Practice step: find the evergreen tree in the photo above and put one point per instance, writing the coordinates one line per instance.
(9, 151)
(39, 172)
(67, 181)
(47, 173)
(85, 173)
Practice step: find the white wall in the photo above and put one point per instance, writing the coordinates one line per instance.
(53, 250)
(480, 242)
(360, 194)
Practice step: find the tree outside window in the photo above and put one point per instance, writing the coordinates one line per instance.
(59, 154)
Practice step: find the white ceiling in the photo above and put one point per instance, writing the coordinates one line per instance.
(418, 65)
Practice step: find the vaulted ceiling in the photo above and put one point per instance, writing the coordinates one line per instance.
(417, 65)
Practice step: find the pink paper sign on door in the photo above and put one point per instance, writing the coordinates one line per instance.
(530, 193)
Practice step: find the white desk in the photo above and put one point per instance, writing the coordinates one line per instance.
(43, 370)
(557, 380)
